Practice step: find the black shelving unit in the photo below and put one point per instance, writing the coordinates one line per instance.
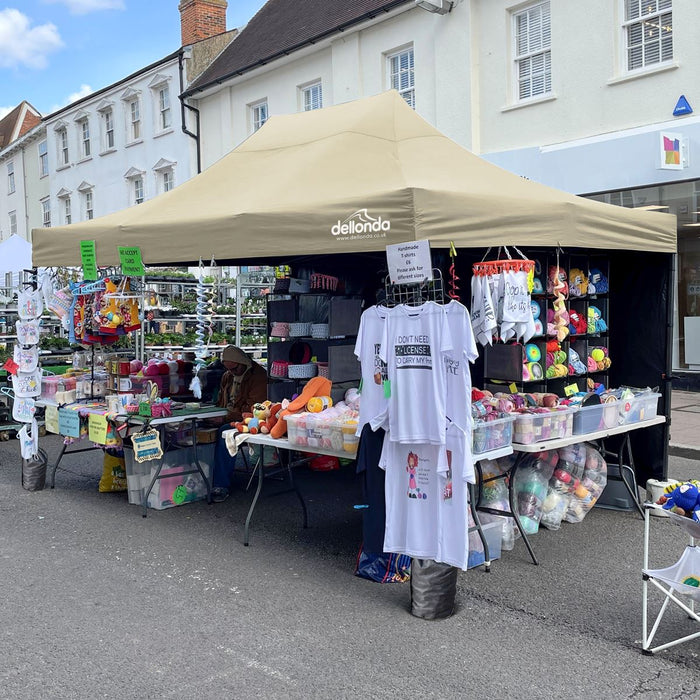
(341, 313)
(503, 363)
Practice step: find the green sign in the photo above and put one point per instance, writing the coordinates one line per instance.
(89, 259)
(130, 258)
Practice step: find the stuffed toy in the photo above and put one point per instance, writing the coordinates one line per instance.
(578, 282)
(318, 386)
(578, 325)
(684, 500)
(596, 324)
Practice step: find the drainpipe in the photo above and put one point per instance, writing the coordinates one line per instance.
(183, 106)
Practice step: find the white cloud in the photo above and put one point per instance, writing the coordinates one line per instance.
(23, 45)
(83, 7)
(4, 111)
(84, 91)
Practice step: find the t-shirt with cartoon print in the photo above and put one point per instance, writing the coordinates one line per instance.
(426, 499)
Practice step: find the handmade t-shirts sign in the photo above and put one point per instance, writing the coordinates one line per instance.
(413, 346)
(373, 399)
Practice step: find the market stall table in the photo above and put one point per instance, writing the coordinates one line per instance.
(544, 445)
(282, 445)
(132, 422)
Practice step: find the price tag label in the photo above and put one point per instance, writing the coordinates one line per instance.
(147, 446)
(68, 422)
(88, 256)
(97, 428)
(51, 419)
(387, 388)
(571, 389)
(130, 259)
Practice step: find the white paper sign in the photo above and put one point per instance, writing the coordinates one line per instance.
(409, 262)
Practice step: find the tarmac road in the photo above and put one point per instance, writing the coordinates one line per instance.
(98, 602)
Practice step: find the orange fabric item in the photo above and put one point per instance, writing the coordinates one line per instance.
(318, 386)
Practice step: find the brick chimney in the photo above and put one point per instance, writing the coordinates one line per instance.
(200, 19)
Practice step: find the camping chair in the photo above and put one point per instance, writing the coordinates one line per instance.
(671, 581)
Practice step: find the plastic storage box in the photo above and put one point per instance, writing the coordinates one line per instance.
(493, 532)
(492, 435)
(172, 490)
(315, 430)
(536, 427)
(589, 419)
(641, 407)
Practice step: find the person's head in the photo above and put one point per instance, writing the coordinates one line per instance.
(235, 360)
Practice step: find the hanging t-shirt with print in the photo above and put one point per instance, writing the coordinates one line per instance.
(453, 495)
(413, 346)
(412, 497)
(369, 340)
(459, 379)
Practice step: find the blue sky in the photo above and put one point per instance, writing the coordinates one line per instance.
(55, 51)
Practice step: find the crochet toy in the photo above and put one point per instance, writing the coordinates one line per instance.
(596, 324)
(556, 281)
(318, 386)
(684, 500)
(578, 282)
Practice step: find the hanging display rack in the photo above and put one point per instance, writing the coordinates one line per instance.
(415, 293)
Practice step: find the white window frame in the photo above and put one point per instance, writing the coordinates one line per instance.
(84, 136)
(12, 216)
(62, 145)
(137, 183)
(165, 118)
(311, 96)
(43, 149)
(397, 72)
(11, 185)
(646, 24)
(259, 113)
(536, 58)
(168, 180)
(108, 129)
(88, 205)
(46, 212)
(67, 213)
(131, 100)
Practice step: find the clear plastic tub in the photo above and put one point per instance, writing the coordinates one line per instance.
(492, 435)
(641, 407)
(536, 427)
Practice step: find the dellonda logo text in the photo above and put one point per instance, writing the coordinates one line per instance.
(362, 223)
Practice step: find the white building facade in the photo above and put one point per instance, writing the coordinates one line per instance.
(119, 146)
(578, 96)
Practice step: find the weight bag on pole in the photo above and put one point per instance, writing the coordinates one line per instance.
(34, 472)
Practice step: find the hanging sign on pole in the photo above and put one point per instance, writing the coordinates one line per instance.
(409, 262)
(130, 259)
(88, 257)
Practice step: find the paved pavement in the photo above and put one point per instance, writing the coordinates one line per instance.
(685, 424)
(98, 602)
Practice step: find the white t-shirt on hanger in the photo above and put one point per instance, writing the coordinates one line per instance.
(453, 499)
(426, 497)
(373, 402)
(459, 378)
(415, 341)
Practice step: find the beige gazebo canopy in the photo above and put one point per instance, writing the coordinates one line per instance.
(353, 177)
